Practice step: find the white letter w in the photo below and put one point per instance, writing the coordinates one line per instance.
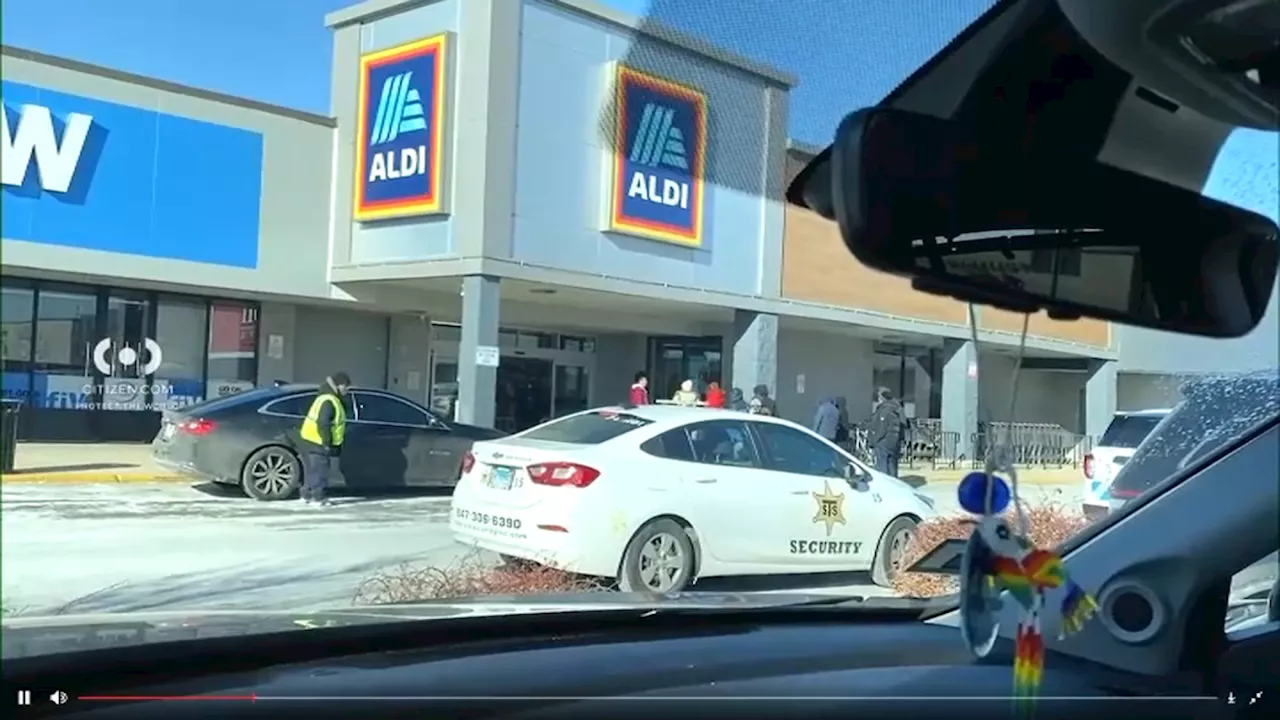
(55, 162)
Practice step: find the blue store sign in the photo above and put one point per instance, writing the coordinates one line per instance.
(656, 182)
(85, 173)
(400, 131)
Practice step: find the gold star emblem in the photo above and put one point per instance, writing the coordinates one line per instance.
(830, 507)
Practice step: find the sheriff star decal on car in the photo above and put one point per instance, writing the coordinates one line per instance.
(830, 508)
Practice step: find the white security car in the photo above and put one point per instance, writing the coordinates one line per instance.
(658, 496)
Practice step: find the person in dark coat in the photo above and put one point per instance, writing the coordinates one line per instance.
(885, 430)
(761, 403)
(737, 401)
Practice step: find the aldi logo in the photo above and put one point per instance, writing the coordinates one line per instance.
(656, 178)
(400, 130)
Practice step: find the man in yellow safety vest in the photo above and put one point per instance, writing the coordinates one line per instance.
(323, 430)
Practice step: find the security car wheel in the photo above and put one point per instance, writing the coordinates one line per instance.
(892, 550)
(659, 558)
(271, 473)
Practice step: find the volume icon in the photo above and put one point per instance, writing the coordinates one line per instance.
(58, 697)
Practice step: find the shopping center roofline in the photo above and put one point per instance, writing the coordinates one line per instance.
(517, 270)
(112, 74)
(374, 9)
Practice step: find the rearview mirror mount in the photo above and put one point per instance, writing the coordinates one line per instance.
(965, 215)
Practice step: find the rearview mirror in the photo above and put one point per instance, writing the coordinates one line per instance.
(967, 216)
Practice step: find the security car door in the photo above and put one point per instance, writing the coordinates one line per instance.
(837, 527)
(739, 507)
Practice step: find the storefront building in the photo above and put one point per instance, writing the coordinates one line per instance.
(515, 207)
(580, 173)
(162, 246)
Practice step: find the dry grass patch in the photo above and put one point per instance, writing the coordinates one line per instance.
(470, 576)
(1049, 525)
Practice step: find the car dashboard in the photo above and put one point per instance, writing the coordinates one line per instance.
(811, 662)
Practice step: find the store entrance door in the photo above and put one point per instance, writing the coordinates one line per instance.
(124, 360)
(672, 360)
(524, 393)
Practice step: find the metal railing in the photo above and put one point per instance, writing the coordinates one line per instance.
(926, 445)
(1032, 444)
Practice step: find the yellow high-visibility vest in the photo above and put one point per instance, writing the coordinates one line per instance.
(311, 427)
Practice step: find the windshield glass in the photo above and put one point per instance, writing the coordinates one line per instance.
(1128, 431)
(532, 241)
(590, 428)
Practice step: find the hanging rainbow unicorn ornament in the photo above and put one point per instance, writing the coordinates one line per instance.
(999, 560)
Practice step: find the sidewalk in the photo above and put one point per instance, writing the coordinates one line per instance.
(1026, 476)
(86, 463)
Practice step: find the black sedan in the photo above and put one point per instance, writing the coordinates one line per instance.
(251, 440)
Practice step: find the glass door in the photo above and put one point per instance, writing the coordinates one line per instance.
(572, 390)
(444, 386)
(672, 360)
(126, 355)
(124, 359)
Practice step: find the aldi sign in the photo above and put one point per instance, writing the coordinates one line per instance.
(400, 130)
(656, 180)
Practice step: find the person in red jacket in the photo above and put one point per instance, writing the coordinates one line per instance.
(715, 395)
(640, 390)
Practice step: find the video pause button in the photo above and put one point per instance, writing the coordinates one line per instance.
(24, 697)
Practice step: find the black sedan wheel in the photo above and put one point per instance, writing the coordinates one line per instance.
(271, 473)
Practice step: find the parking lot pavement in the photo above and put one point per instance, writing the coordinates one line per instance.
(116, 548)
(139, 547)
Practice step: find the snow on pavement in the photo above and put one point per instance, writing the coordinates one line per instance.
(130, 547)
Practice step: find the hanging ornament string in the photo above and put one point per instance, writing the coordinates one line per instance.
(1000, 559)
(999, 455)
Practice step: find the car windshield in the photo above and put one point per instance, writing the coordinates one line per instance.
(569, 242)
(1128, 431)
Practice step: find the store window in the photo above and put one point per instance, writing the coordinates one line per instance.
(65, 333)
(18, 306)
(232, 348)
(180, 334)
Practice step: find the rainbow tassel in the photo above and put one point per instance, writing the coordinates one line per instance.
(1028, 666)
(1078, 607)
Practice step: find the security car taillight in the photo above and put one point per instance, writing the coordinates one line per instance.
(198, 426)
(1124, 493)
(562, 473)
(1088, 467)
(468, 462)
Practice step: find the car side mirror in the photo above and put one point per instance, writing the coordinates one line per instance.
(854, 474)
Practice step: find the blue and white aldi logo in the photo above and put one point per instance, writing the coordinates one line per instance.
(656, 179)
(400, 130)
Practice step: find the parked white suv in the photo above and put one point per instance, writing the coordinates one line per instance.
(1125, 433)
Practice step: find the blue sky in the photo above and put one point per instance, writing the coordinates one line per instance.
(278, 51)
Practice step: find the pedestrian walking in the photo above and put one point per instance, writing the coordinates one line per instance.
(884, 433)
(737, 401)
(826, 419)
(842, 422)
(715, 395)
(639, 394)
(323, 431)
(761, 403)
(686, 395)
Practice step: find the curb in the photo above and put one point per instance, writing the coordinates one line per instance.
(103, 477)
